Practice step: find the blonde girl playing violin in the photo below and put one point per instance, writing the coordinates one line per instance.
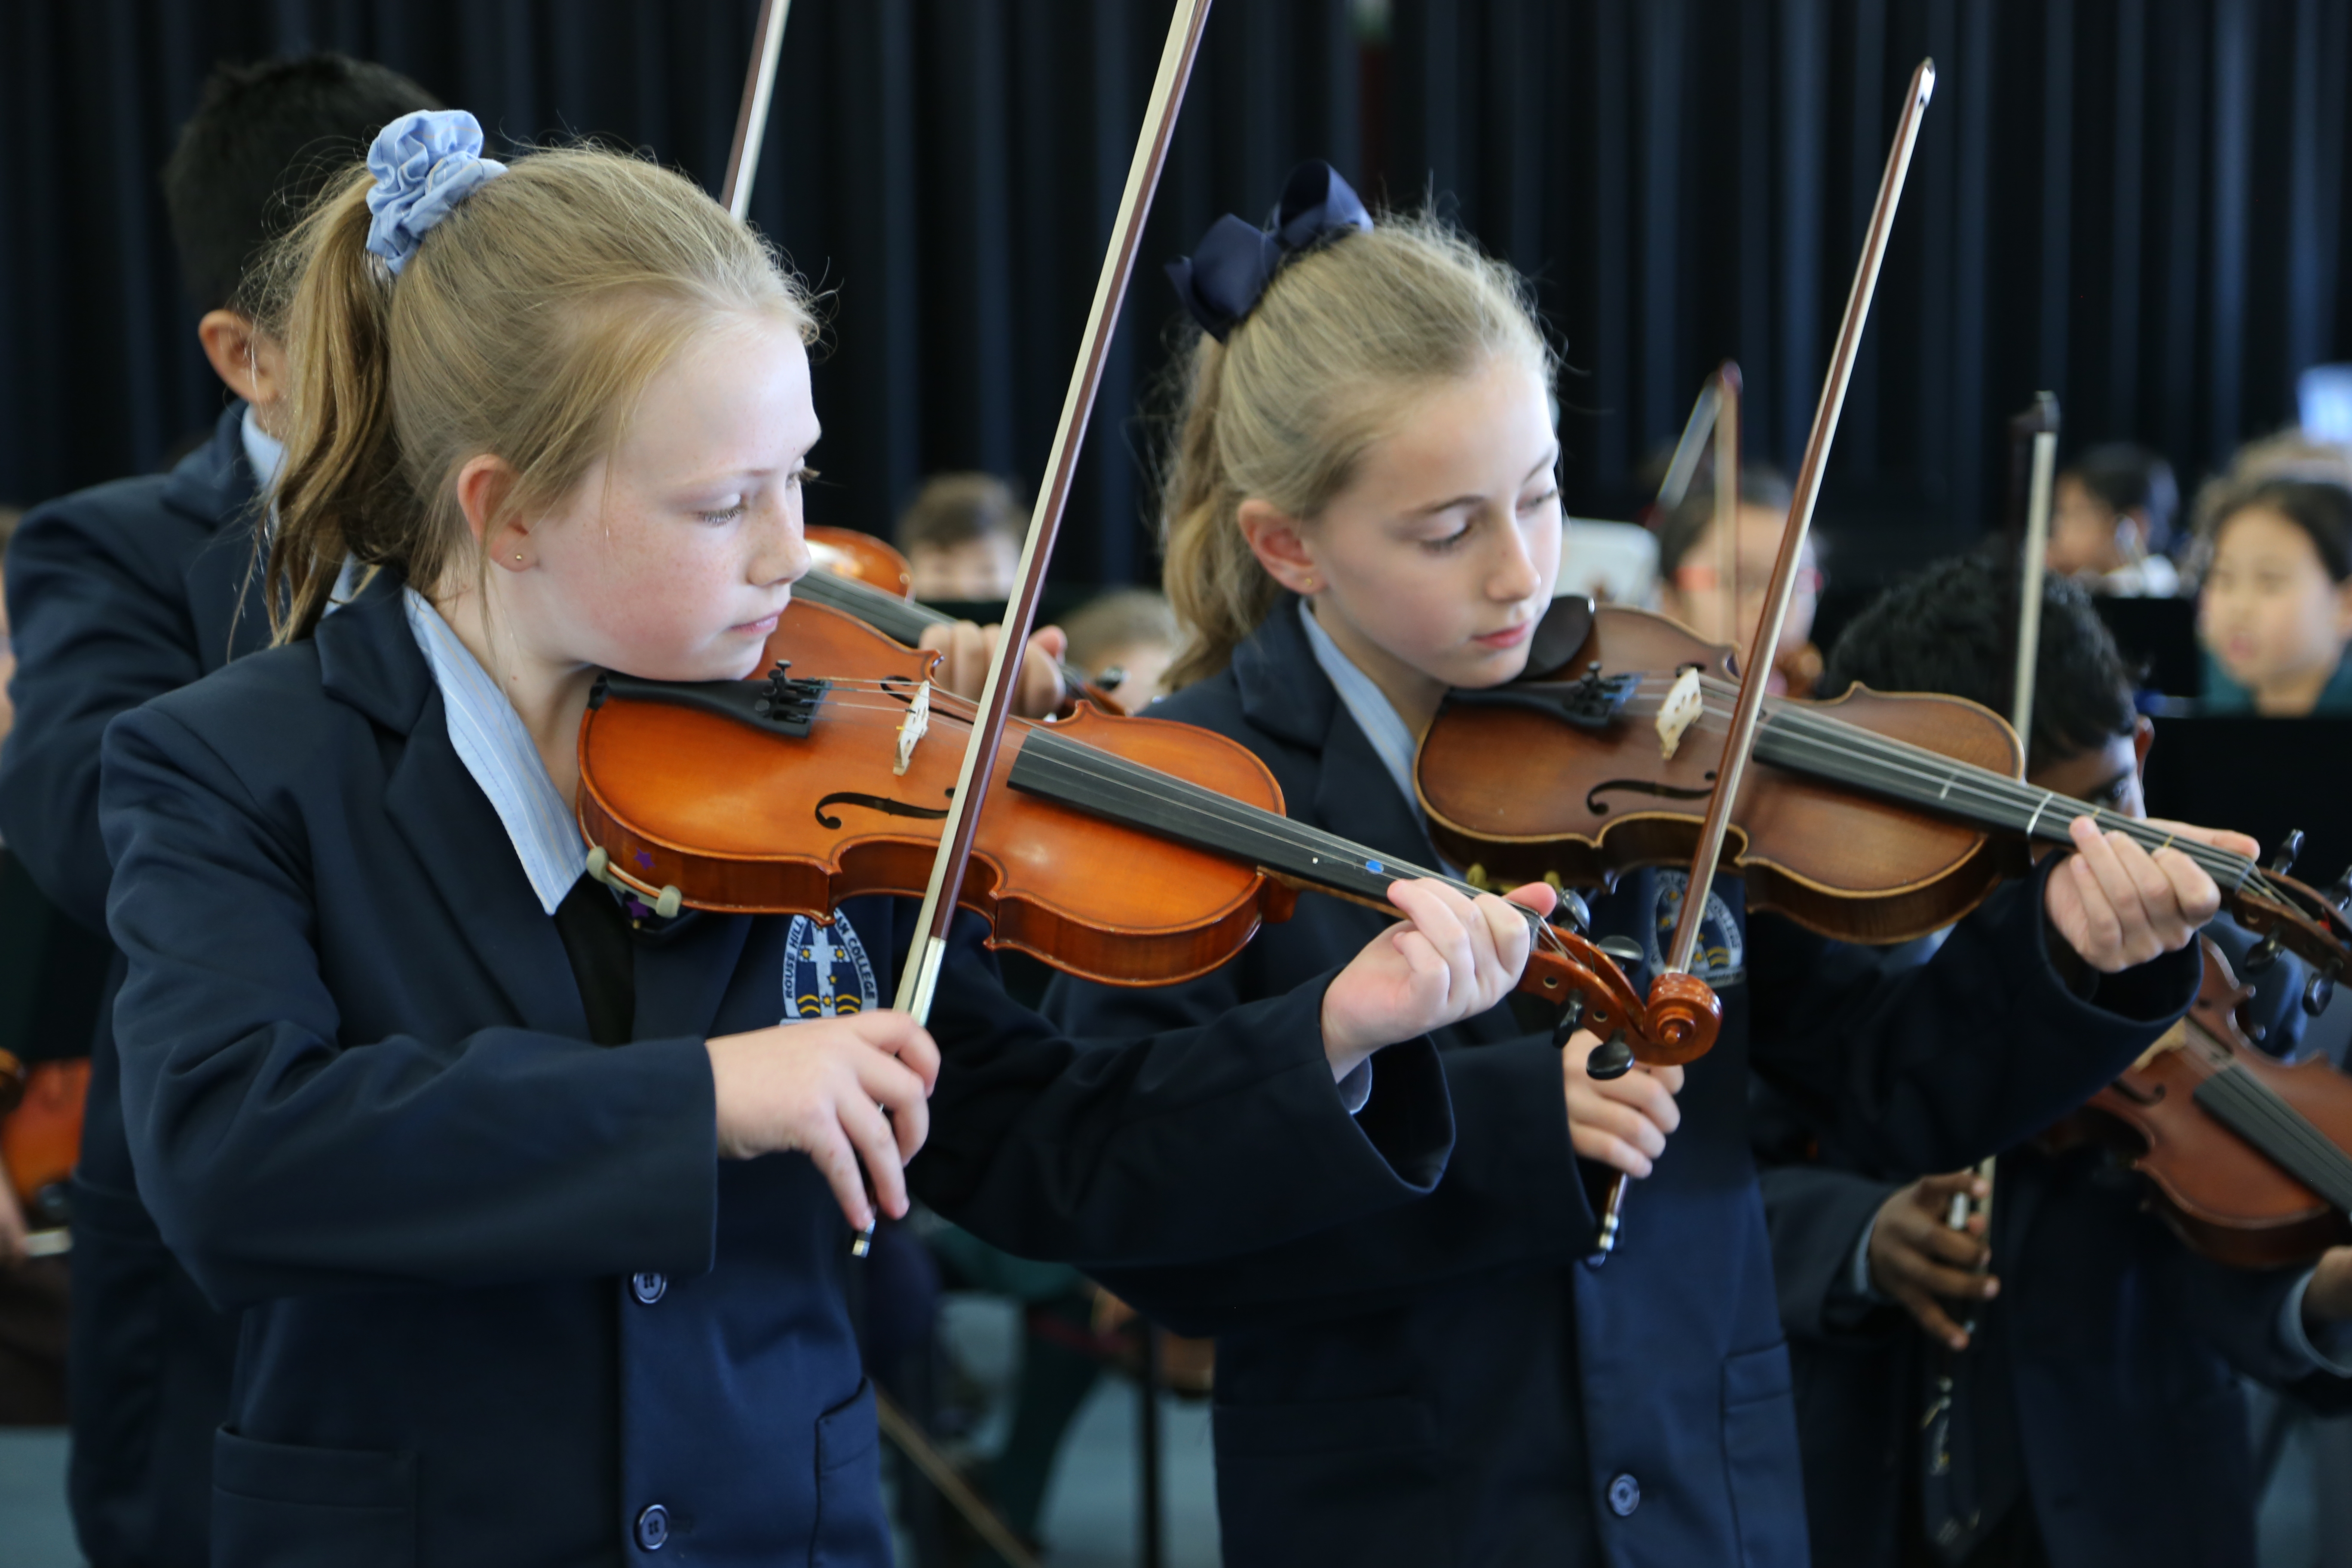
(1363, 511)
(538, 1203)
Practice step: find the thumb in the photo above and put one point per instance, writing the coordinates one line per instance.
(1540, 897)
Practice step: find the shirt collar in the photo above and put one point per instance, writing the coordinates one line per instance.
(490, 739)
(1392, 738)
(263, 453)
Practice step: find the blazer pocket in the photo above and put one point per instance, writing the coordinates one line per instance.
(279, 1505)
(849, 1526)
(1354, 1481)
(1759, 1456)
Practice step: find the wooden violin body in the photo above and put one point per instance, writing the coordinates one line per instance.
(2274, 1195)
(862, 558)
(1128, 851)
(1519, 791)
(1873, 817)
(40, 1132)
(742, 821)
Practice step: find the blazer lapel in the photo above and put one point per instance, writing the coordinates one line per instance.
(683, 972)
(369, 658)
(1285, 692)
(215, 488)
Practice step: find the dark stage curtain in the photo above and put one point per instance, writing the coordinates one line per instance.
(2133, 203)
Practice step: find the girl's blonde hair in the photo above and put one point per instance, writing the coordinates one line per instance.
(526, 325)
(1342, 340)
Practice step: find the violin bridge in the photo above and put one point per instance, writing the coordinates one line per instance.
(2173, 1039)
(911, 728)
(1684, 706)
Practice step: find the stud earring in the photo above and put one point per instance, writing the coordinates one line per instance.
(518, 554)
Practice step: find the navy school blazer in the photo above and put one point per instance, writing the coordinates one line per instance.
(116, 595)
(2119, 1350)
(502, 1301)
(1447, 1381)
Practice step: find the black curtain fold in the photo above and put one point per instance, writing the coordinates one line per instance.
(2136, 204)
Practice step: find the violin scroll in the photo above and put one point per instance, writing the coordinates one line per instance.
(2293, 917)
(1675, 1024)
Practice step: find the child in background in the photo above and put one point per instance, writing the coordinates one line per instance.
(2275, 608)
(116, 595)
(537, 1213)
(1690, 566)
(961, 536)
(2111, 522)
(1129, 633)
(2101, 1348)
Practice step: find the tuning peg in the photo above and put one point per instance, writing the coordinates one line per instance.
(2261, 955)
(1573, 911)
(2340, 892)
(2283, 858)
(1623, 949)
(1614, 1058)
(1571, 1016)
(2317, 995)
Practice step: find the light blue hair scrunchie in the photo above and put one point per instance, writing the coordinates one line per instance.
(425, 164)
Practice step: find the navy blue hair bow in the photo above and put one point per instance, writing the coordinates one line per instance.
(1220, 282)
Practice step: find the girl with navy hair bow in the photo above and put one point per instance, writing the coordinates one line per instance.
(538, 1211)
(1361, 510)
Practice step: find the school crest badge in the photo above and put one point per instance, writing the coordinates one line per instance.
(1722, 954)
(826, 971)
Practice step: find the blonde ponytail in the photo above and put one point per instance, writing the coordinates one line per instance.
(1342, 340)
(341, 467)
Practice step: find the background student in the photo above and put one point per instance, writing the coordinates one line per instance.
(2111, 522)
(2104, 1350)
(2274, 611)
(117, 594)
(961, 536)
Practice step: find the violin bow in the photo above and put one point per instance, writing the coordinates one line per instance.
(1615, 1058)
(2034, 437)
(920, 978)
(751, 118)
(2032, 463)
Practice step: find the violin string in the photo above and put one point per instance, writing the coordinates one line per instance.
(1980, 785)
(1995, 788)
(1240, 817)
(1833, 742)
(1228, 813)
(2284, 1133)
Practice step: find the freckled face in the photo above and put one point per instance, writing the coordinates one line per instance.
(678, 550)
(1443, 550)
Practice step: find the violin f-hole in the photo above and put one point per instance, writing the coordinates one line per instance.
(882, 804)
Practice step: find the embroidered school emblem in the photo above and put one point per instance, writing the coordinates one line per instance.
(827, 972)
(1722, 949)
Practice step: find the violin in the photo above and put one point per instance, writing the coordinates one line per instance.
(1871, 817)
(1128, 851)
(860, 557)
(860, 575)
(2247, 1157)
(40, 1132)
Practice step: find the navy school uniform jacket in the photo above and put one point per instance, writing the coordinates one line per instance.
(502, 1301)
(1447, 1381)
(116, 595)
(2109, 1358)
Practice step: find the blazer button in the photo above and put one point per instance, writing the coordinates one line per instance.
(1624, 1495)
(652, 1527)
(648, 1288)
